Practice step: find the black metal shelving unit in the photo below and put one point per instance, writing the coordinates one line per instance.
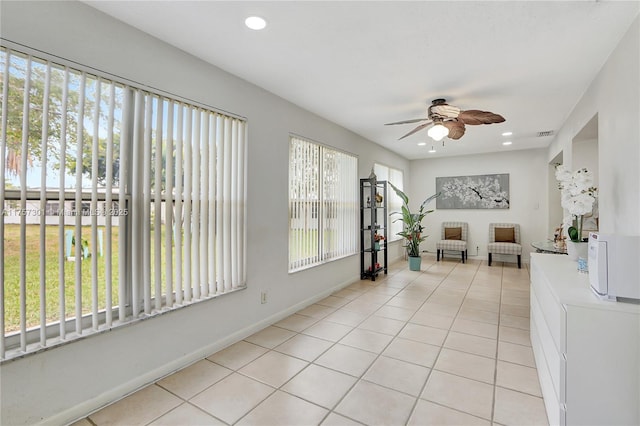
(373, 221)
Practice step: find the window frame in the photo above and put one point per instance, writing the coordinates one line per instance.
(36, 339)
(321, 211)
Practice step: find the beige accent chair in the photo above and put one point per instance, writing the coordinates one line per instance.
(504, 238)
(454, 238)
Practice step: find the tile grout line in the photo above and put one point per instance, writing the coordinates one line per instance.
(369, 289)
(361, 377)
(423, 387)
(495, 368)
(358, 378)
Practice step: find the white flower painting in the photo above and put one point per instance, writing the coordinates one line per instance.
(473, 192)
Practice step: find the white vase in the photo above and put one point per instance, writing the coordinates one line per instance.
(576, 250)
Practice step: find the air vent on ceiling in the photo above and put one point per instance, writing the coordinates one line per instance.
(544, 134)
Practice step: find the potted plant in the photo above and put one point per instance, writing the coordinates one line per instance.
(377, 238)
(577, 196)
(412, 227)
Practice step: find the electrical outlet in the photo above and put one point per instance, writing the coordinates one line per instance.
(263, 297)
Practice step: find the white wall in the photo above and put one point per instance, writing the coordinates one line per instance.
(585, 154)
(614, 95)
(527, 171)
(67, 382)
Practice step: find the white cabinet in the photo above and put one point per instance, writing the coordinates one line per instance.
(587, 350)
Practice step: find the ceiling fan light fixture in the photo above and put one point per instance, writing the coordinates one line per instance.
(438, 132)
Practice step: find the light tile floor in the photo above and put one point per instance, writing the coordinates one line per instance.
(448, 345)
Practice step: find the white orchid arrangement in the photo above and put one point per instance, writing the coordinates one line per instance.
(577, 196)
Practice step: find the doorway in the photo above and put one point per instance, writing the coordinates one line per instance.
(585, 154)
(556, 213)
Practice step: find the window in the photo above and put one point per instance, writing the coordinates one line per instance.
(118, 203)
(323, 203)
(395, 203)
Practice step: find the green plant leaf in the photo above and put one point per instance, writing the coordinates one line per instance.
(425, 202)
(413, 229)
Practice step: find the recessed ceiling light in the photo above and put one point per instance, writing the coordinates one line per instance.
(255, 22)
(507, 143)
(422, 143)
(507, 133)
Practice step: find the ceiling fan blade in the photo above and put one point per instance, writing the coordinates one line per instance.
(475, 117)
(456, 129)
(415, 120)
(417, 129)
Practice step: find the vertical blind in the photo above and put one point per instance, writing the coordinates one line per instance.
(323, 198)
(118, 203)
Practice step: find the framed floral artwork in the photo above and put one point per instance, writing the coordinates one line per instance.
(473, 192)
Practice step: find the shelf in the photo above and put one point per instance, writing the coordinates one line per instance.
(373, 224)
(376, 272)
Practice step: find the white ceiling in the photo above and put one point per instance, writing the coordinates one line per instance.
(365, 63)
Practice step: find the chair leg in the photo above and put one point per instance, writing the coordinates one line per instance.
(519, 263)
(466, 255)
(489, 259)
(462, 254)
(438, 255)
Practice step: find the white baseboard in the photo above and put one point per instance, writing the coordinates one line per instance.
(88, 407)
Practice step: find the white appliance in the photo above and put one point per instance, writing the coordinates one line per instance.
(614, 266)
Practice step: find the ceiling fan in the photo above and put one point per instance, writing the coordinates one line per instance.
(449, 120)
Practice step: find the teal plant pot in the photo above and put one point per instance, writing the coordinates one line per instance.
(414, 263)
